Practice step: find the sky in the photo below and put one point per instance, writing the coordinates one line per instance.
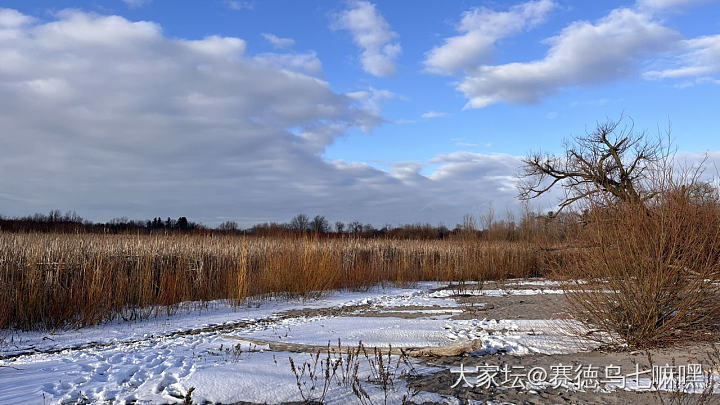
(386, 112)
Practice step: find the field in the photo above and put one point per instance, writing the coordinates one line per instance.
(341, 347)
(60, 280)
(212, 318)
(619, 304)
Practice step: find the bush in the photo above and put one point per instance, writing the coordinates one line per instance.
(650, 275)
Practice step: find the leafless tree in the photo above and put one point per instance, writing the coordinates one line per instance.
(702, 192)
(355, 227)
(228, 226)
(339, 227)
(319, 224)
(300, 223)
(613, 163)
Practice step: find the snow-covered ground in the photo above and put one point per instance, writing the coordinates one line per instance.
(496, 292)
(158, 360)
(218, 349)
(512, 336)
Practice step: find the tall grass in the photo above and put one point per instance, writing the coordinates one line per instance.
(74, 280)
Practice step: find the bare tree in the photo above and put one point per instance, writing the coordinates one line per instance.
(319, 224)
(355, 227)
(339, 226)
(300, 223)
(228, 226)
(702, 192)
(613, 163)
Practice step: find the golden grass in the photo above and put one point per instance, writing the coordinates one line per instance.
(60, 280)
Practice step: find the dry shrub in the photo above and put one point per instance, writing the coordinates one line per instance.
(651, 275)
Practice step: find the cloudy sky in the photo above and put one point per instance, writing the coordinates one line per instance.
(385, 112)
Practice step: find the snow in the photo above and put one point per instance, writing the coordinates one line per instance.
(217, 314)
(371, 331)
(158, 360)
(494, 292)
(512, 336)
(162, 372)
(214, 348)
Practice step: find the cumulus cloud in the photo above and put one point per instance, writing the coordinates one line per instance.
(699, 58)
(372, 33)
(110, 117)
(280, 43)
(481, 28)
(12, 18)
(582, 53)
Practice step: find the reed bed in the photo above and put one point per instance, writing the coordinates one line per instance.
(51, 281)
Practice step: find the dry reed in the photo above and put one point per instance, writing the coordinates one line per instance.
(73, 280)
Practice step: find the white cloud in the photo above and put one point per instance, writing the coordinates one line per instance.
(498, 169)
(239, 5)
(107, 110)
(77, 29)
(215, 46)
(668, 4)
(582, 53)
(112, 118)
(307, 63)
(372, 99)
(699, 58)
(373, 34)
(136, 3)
(481, 28)
(434, 114)
(280, 43)
(13, 19)
(463, 143)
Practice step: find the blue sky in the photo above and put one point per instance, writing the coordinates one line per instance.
(386, 112)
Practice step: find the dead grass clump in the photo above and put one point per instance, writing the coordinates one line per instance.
(355, 370)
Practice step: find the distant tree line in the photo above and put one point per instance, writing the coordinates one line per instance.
(71, 222)
(530, 226)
